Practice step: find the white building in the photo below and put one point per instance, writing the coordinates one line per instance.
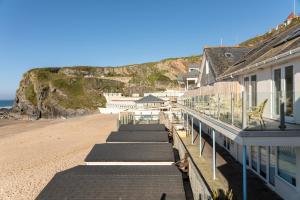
(252, 104)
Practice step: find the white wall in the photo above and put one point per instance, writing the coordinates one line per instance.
(265, 87)
(297, 91)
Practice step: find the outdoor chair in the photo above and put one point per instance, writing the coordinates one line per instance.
(256, 113)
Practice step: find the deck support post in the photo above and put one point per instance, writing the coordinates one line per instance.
(214, 154)
(200, 138)
(192, 130)
(244, 172)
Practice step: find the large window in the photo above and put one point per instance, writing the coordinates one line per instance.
(254, 157)
(263, 161)
(227, 143)
(286, 158)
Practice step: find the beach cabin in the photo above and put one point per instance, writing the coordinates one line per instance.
(149, 102)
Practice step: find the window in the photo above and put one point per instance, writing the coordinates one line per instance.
(227, 143)
(263, 161)
(254, 157)
(286, 161)
(228, 55)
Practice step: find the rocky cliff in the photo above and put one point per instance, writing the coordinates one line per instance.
(72, 91)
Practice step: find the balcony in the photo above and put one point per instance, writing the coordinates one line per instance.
(227, 109)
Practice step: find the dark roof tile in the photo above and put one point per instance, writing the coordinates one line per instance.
(149, 99)
(222, 58)
(131, 152)
(142, 127)
(142, 136)
(115, 182)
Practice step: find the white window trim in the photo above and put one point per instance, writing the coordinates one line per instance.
(282, 179)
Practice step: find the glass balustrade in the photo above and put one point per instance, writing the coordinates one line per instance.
(264, 111)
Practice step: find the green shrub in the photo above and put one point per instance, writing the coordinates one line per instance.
(30, 94)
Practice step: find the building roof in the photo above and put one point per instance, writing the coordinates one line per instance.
(115, 182)
(150, 99)
(194, 65)
(193, 74)
(278, 44)
(222, 58)
(291, 16)
(141, 136)
(142, 127)
(131, 152)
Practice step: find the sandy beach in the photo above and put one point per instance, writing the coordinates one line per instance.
(31, 152)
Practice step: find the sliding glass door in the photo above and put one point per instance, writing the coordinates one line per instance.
(250, 86)
(283, 91)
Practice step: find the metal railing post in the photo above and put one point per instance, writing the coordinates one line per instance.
(200, 138)
(192, 130)
(214, 154)
(282, 125)
(231, 104)
(244, 172)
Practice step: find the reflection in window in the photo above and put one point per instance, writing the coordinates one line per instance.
(263, 161)
(254, 157)
(286, 158)
(272, 161)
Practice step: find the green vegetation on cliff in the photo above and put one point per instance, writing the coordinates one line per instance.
(71, 91)
(30, 94)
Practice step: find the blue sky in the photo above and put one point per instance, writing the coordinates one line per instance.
(37, 33)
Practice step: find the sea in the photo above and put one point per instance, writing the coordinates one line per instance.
(6, 103)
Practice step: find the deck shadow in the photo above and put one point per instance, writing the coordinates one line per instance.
(232, 172)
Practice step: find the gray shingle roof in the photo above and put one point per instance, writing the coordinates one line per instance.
(114, 183)
(131, 152)
(141, 136)
(276, 45)
(142, 127)
(150, 99)
(221, 58)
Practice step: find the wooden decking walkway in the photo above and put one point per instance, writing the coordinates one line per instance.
(228, 170)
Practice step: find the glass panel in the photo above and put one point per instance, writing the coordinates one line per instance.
(254, 157)
(246, 84)
(289, 86)
(287, 164)
(277, 85)
(253, 91)
(237, 110)
(263, 161)
(272, 160)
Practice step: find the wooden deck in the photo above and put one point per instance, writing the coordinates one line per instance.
(228, 171)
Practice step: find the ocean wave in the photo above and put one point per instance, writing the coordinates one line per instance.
(6, 107)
